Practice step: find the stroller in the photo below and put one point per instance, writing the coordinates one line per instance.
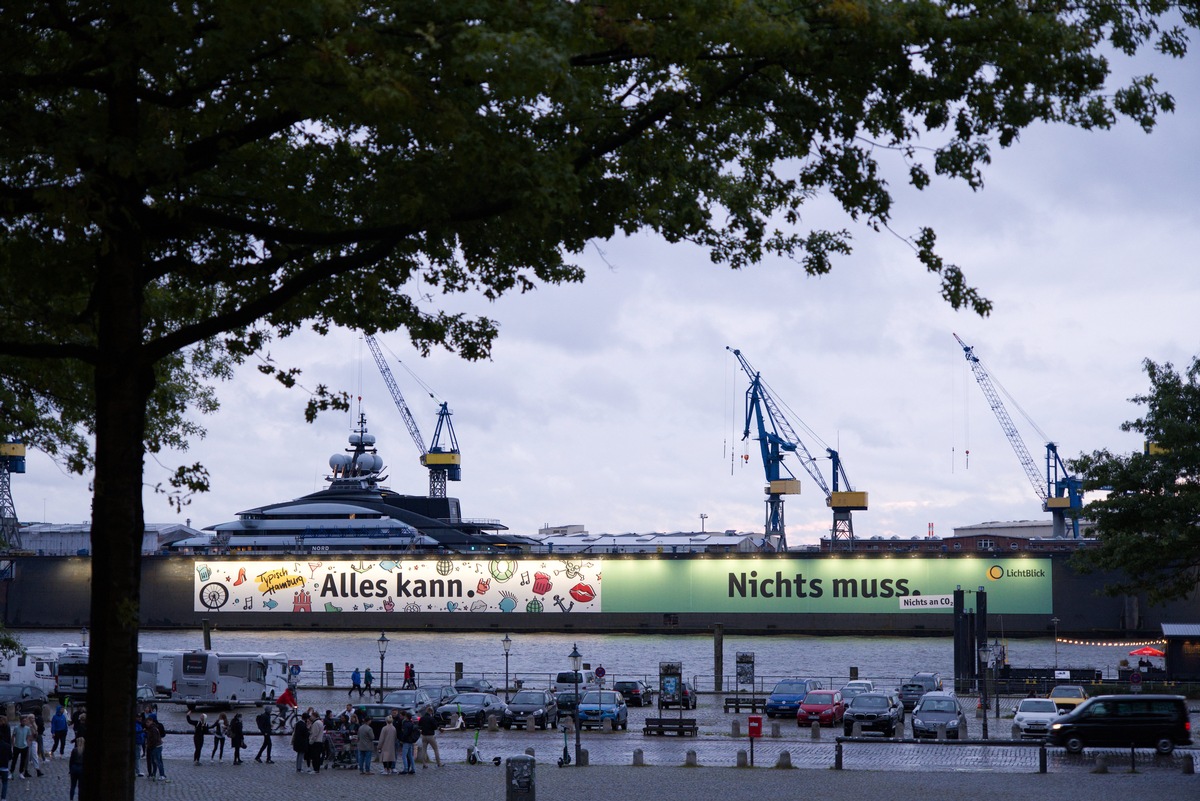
(340, 747)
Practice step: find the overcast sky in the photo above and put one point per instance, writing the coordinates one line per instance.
(614, 404)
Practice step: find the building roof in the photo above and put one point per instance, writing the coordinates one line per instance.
(1181, 629)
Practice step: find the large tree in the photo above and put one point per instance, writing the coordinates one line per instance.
(1148, 522)
(179, 182)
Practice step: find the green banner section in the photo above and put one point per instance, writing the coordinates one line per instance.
(822, 586)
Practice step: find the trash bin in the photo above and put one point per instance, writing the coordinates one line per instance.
(518, 778)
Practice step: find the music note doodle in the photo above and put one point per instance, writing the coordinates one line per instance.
(524, 577)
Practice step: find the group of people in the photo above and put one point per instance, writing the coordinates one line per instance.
(222, 729)
(394, 746)
(22, 748)
(361, 682)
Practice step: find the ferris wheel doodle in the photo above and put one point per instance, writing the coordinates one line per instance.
(214, 595)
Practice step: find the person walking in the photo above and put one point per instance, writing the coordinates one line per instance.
(387, 745)
(355, 683)
(410, 676)
(58, 732)
(300, 742)
(365, 746)
(263, 721)
(21, 733)
(237, 737)
(200, 729)
(368, 680)
(409, 734)
(219, 729)
(316, 742)
(154, 748)
(75, 766)
(428, 725)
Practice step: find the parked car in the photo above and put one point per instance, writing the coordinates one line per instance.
(876, 712)
(474, 686)
(26, 698)
(939, 708)
(689, 699)
(637, 693)
(856, 687)
(414, 701)
(539, 703)
(921, 683)
(144, 699)
(566, 682)
(1120, 721)
(1034, 717)
(473, 707)
(441, 694)
(823, 707)
(598, 706)
(1068, 696)
(784, 700)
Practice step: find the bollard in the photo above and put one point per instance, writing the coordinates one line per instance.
(785, 760)
(458, 671)
(328, 674)
(1016, 732)
(815, 731)
(492, 723)
(742, 760)
(941, 732)
(519, 779)
(606, 726)
(735, 728)
(837, 755)
(529, 751)
(690, 760)
(1132, 759)
(1189, 764)
(1101, 764)
(775, 730)
(638, 758)
(583, 757)
(856, 730)
(1042, 757)
(530, 722)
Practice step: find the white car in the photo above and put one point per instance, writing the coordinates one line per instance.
(857, 687)
(1034, 716)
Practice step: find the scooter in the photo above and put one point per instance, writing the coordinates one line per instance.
(474, 755)
(565, 759)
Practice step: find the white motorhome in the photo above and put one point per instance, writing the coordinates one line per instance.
(37, 666)
(73, 672)
(208, 678)
(156, 670)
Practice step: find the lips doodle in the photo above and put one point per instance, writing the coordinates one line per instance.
(583, 593)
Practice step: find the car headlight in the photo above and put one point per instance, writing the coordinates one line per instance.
(952, 724)
(1056, 725)
(918, 722)
(539, 712)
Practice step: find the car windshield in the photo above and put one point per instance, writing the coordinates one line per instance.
(818, 698)
(595, 697)
(470, 698)
(869, 702)
(938, 705)
(1037, 705)
(1067, 692)
(528, 697)
(626, 685)
(401, 697)
(791, 688)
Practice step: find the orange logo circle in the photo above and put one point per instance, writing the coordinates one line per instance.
(995, 572)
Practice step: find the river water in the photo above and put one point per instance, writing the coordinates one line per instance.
(536, 657)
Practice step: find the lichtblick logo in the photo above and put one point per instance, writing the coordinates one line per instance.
(995, 572)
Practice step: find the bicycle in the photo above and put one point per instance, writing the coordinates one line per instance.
(284, 718)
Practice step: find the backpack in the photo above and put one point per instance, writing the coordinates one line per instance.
(410, 733)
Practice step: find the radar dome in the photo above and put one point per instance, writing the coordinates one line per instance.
(339, 461)
(355, 438)
(368, 462)
(368, 439)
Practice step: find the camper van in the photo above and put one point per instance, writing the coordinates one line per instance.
(72, 672)
(156, 670)
(208, 678)
(36, 666)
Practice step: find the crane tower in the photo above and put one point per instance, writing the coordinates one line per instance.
(12, 460)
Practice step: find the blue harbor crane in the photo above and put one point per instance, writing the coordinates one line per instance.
(1060, 492)
(444, 462)
(777, 438)
(12, 460)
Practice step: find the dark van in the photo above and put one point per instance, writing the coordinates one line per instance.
(1123, 721)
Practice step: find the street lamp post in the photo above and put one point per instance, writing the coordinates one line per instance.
(507, 643)
(383, 643)
(83, 634)
(1055, 621)
(576, 664)
(985, 653)
(703, 517)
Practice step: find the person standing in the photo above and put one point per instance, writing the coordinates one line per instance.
(263, 720)
(409, 734)
(5, 756)
(428, 725)
(300, 742)
(154, 745)
(368, 679)
(20, 748)
(387, 745)
(219, 729)
(316, 743)
(355, 683)
(58, 732)
(201, 728)
(365, 745)
(75, 766)
(237, 738)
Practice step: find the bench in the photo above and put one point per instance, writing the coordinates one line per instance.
(680, 726)
(739, 702)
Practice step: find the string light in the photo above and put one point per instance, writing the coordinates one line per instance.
(1065, 641)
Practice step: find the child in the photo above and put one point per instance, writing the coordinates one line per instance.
(75, 766)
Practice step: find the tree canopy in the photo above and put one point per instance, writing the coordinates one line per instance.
(180, 182)
(1149, 522)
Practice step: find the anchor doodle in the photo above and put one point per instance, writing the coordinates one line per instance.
(558, 601)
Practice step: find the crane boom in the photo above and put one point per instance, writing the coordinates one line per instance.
(397, 395)
(777, 438)
(1058, 490)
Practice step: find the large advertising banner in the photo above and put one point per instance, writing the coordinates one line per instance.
(401, 585)
(646, 586)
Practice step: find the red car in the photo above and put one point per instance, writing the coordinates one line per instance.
(824, 707)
